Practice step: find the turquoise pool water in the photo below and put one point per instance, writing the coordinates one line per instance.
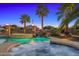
(27, 40)
(24, 40)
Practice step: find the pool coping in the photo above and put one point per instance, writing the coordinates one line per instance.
(64, 42)
(4, 49)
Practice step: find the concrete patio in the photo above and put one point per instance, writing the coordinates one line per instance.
(65, 42)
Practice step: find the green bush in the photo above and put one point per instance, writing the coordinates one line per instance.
(76, 32)
(54, 33)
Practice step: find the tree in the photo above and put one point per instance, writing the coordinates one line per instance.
(24, 19)
(42, 11)
(13, 28)
(64, 13)
(49, 27)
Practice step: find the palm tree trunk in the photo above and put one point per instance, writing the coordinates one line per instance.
(76, 27)
(42, 22)
(24, 27)
(66, 31)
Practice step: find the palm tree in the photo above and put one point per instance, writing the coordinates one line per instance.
(76, 23)
(65, 10)
(24, 19)
(74, 16)
(42, 11)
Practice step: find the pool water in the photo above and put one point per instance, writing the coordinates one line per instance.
(62, 50)
(43, 49)
(27, 40)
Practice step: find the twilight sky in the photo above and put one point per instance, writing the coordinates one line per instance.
(11, 12)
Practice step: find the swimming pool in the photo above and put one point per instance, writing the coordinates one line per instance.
(27, 40)
(24, 40)
(63, 50)
(44, 49)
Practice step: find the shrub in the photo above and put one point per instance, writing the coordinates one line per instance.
(54, 33)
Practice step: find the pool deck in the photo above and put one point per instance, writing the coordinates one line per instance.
(65, 42)
(21, 35)
(4, 49)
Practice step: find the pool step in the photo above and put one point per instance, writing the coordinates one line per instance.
(4, 49)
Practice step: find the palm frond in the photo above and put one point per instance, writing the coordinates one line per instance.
(59, 17)
(58, 13)
(42, 10)
(77, 22)
(24, 18)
